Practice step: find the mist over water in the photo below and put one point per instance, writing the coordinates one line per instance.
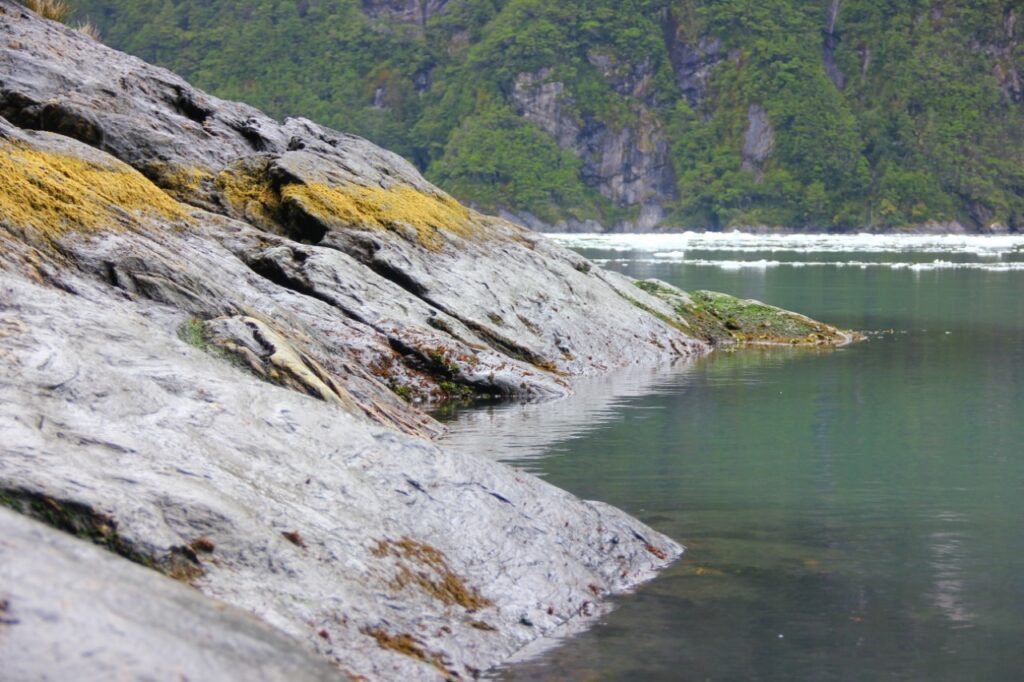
(849, 515)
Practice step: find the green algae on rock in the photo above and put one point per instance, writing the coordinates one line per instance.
(721, 319)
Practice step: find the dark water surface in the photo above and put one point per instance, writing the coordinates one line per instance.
(849, 515)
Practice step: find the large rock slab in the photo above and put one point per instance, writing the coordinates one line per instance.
(213, 331)
(390, 555)
(493, 284)
(72, 611)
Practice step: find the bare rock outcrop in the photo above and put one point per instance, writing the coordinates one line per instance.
(213, 331)
(133, 623)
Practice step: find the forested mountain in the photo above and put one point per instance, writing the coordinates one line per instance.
(821, 114)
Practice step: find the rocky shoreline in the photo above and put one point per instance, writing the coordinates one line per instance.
(215, 332)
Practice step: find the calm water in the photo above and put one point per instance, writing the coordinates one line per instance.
(849, 515)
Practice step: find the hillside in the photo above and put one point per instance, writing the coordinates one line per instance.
(817, 114)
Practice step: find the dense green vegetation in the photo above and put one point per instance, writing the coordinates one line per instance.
(927, 125)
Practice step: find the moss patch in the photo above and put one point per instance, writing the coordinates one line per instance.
(426, 567)
(748, 321)
(396, 209)
(723, 319)
(56, 194)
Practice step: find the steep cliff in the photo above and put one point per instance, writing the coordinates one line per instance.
(833, 114)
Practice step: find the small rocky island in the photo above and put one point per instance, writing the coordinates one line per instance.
(215, 332)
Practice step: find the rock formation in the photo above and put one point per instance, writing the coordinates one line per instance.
(211, 326)
(214, 330)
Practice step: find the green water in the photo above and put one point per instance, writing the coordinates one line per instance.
(849, 515)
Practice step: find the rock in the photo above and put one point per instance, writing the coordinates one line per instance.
(630, 165)
(692, 60)
(417, 12)
(117, 620)
(352, 230)
(724, 320)
(758, 141)
(211, 328)
(829, 45)
(110, 419)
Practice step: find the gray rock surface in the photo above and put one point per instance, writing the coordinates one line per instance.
(417, 12)
(630, 165)
(414, 560)
(758, 140)
(211, 325)
(487, 287)
(692, 60)
(829, 45)
(130, 622)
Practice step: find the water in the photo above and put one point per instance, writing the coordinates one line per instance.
(849, 515)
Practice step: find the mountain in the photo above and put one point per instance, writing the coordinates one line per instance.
(638, 114)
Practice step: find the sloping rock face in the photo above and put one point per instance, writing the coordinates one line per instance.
(417, 12)
(436, 294)
(134, 623)
(211, 325)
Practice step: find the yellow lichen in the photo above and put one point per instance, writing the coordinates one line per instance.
(184, 182)
(396, 209)
(249, 193)
(56, 194)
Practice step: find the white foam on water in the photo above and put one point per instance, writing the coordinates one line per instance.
(863, 265)
(742, 242)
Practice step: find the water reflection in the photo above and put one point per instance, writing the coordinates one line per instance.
(518, 432)
(515, 432)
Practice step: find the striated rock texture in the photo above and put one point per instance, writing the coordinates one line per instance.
(211, 328)
(133, 623)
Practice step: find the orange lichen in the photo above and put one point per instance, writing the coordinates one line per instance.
(56, 194)
(397, 209)
(427, 567)
(655, 551)
(407, 645)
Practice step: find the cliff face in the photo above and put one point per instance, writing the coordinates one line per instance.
(637, 115)
(629, 165)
